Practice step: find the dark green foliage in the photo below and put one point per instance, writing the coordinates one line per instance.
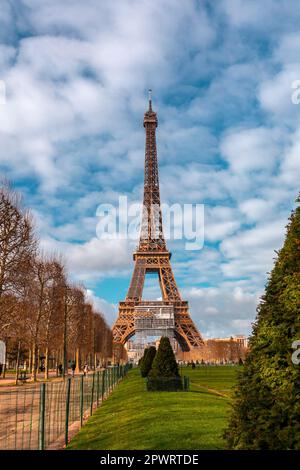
(164, 364)
(266, 410)
(164, 384)
(141, 361)
(147, 361)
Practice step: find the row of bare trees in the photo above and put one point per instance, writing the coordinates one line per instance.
(43, 317)
(223, 351)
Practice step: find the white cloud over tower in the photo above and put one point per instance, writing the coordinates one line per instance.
(229, 136)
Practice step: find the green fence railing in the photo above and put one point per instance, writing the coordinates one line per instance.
(39, 415)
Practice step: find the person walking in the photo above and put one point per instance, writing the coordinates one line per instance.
(73, 367)
(85, 369)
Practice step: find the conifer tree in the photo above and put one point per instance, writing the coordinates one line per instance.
(141, 361)
(266, 409)
(164, 363)
(147, 361)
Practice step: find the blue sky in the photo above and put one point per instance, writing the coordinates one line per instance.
(71, 135)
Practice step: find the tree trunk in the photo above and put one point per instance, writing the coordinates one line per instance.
(34, 362)
(18, 363)
(47, 363)
(56, 361)
(77, 361)
(38, 360)
(32, 359)
(29, 360)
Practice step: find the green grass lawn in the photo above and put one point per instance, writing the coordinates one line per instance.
(132, 418)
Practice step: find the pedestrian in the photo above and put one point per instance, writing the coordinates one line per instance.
(85, 369)
(73, 368)
(1, 369)
(60, 369)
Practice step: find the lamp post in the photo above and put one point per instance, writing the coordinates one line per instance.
(65, 359)
(18, 362)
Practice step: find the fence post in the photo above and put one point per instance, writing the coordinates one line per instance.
(103, 384)
(42, 417)
(67, 411)
(98, 387)
(81, 400)
(92, 394)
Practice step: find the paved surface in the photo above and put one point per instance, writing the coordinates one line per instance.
(9, 380)
(20, 411)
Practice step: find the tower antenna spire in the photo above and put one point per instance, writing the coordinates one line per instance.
(150, 99)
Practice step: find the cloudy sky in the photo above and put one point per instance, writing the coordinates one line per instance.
(71, 137)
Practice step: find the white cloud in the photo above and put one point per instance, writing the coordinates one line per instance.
(71, 132)
(251, 252)
(108, 309)
(290, 168)
(223, 311)
(264, 16)
(242, 12)
(220, 222)
(94, 259)
(275, 95)
(249, 150)
(256, 209)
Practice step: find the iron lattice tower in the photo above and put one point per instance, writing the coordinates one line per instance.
(152, 255)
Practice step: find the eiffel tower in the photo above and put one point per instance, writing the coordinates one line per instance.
(169, 316)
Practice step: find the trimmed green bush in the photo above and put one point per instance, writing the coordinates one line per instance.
(266, 410)
(164, 384)
(164, 374)
(164, 364)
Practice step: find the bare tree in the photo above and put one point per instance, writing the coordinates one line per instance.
(17, 247)
(54, 304)
(41, 284)
(39, 309)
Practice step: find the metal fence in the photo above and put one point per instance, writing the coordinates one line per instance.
(38, 416)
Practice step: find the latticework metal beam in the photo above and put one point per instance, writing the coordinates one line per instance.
(152, 256)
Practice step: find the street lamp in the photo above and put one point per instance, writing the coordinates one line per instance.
(65, 359)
